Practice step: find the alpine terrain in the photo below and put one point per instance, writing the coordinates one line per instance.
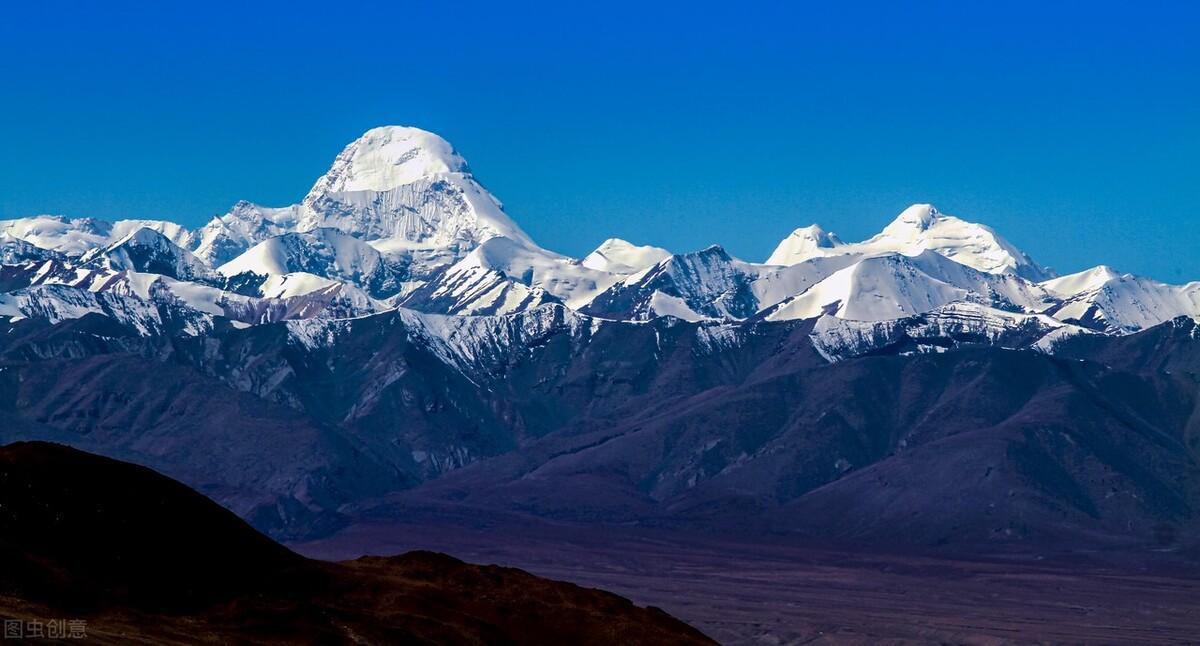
(394, 347)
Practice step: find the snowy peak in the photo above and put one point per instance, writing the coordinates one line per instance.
(70, 236)
(409, 193)
(703, 284)
(1104, 300)
(875, 289)
(916, 218)
(922, 227)
(148, 251)
(388, 157)
(321, 252)
(618, 256)
(475, 287)
(919, 228)
(227, 236)
(806, 242)
(1088, 280)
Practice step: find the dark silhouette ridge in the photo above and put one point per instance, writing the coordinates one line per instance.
(145, 559)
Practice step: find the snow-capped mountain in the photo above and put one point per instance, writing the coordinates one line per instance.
(477, 285)
(919, 228)
(228, 236)
(76, 236)
(400, 220)
(327, 253)
(708, 284)
(617, 256)
(892, 286)
(406, 188)
(148, 251)
(395, 325)
(1102, 299)
(806, 242)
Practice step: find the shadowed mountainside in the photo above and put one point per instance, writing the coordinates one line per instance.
(146, 560)
(304, 429)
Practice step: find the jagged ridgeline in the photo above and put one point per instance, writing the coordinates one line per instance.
(397, 331)
(400, 221)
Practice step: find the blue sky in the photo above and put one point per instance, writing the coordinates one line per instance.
(1072, 128)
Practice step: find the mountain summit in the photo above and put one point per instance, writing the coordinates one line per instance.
(387, 157)
(919, 228)
(403, 190)
(400, 220)
(806, 242)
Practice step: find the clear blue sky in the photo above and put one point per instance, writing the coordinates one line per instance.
(1072, 128)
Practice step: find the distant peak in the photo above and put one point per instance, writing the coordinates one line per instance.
(816, 236)
(1104, 270)
(918, 216)
(619, 256)
(146, 235)
(387, 157)
(804, 243)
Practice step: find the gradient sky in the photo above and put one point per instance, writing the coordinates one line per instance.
(1073, 129)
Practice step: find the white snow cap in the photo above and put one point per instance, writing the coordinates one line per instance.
(922, 226)
(1088, 280)
(389, 156)
(918, 228)
(804, 243)
(621, 257)
(918, 216)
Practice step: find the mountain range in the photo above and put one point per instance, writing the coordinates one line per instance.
(395, 340)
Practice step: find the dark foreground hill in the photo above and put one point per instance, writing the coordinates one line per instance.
(143, 559)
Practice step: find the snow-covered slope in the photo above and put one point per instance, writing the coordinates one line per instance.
(148, 251)
(919, 228)
(406, 188)
(891, 286)
(616, 256)
(322, 252)
(804, 243)
(177, 234)
(474, 286)
(15, 251)
(703, 284)
(875, 289)
(400, 220)
(57, 233)
(952, 325)
(1102, 299)
(228, 236)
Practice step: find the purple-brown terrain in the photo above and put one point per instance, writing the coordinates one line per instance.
(923, 436)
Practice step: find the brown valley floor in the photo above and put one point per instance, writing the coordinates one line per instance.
(770, 593)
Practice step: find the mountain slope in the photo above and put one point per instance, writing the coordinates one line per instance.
(1106, 301)
(149, 559)
(617, 256)
(400, 219)
(148, 251)
(321, 252)
(919, 228)
(805, 243)
(406, 189)
(694, 286)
